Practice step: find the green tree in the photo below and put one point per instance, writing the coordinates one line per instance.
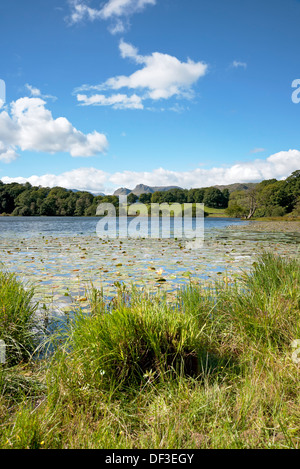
(132, 198)
(145, 198)
(213, 198)
(48, 207)
(238, 205)
(157, 197)
(273, 199)
(235, 211)
(226, 196)
(84, 200)
(293, 189)
(196, 196)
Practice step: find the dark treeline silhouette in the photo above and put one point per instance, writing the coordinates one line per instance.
(268, 198)
(26, 200)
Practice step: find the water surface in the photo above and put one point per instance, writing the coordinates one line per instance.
(63, 257)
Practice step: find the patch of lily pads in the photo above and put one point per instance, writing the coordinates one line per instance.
(64, 268)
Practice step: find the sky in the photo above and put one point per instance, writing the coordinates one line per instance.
(97, 95)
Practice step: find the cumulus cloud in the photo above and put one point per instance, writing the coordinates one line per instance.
(117, 11)
(30, 126)
(89, 179)
(279, 166)
(161, 76)
(7, 155)
(2, 93)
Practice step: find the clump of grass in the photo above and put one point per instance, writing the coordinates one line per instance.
(17, 309)
(260, 312)
(130, 345)
(267, 306)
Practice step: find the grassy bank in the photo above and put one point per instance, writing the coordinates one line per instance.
(215, 212)
(214, 369)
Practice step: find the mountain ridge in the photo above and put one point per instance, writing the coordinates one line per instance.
(145, 189)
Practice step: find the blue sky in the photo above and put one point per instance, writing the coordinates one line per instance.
(106, 94)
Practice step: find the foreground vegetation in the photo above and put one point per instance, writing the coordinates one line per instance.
(213, 370)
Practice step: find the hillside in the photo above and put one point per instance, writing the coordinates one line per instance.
(237, 186)
(144, 189)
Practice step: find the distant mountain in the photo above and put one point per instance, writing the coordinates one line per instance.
(237, 186)
(143, 189)
(122, 191)
(93, 193)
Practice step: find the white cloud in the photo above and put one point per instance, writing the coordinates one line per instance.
(33, 91)
(90, 179)
(30, 126)
(117, 101)
(237, 64)
(129, 51)
(36, 93)
(117, 28)
(81, 11)
(2, 93)
(279, 166)
(115, 10)
(124, 7)
(161, 77)
(7, 155)
(258, 150)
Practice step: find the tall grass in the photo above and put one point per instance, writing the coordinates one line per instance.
(17, 310)
(213, 369)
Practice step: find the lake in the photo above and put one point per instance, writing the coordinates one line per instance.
(64, 257)
(79, 226)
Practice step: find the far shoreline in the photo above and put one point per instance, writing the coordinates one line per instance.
(283, 225)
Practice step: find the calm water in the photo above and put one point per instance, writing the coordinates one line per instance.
(79, 226)
(63, 256)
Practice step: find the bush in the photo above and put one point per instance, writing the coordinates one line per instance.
(235, 211)
(275, 212)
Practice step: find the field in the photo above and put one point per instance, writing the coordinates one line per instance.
(215, 212)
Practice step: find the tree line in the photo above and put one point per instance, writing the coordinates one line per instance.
(27, 200)
(268, 198)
